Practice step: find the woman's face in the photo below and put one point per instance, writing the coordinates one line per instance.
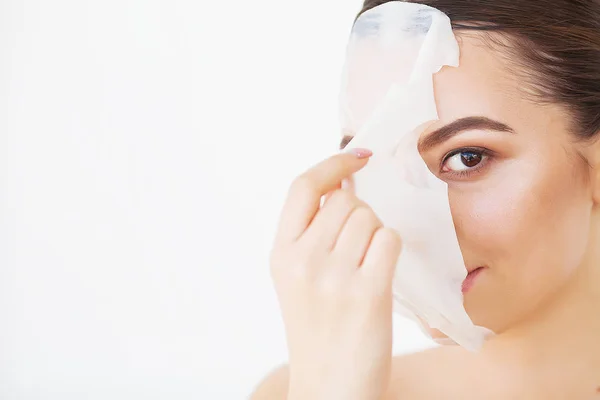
(518, 189)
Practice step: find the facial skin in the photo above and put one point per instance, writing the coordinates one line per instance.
(521, 191)
(522, 200)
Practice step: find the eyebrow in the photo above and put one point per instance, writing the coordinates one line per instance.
(446, 132)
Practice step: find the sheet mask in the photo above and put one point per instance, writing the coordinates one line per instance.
(387, 101)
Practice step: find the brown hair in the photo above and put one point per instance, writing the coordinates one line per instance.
(556, 44)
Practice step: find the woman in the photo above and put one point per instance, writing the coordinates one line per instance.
(520, 120)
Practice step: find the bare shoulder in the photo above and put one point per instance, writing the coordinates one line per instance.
(439, 373)
(429, 374)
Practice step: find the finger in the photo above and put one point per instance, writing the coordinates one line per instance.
(382, 256)
(355, 237)
(329, 221)
(305, 193)
(326, 198)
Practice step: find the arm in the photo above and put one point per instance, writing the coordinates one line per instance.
(430, 374)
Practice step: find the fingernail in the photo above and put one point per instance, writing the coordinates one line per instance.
(361, 153)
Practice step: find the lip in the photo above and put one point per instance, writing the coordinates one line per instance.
(471, 278)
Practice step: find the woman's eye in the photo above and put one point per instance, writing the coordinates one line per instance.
(463, 160)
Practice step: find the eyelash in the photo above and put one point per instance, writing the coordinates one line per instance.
(467, 173)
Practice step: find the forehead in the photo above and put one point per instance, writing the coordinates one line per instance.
(489, 83)
(484, 84)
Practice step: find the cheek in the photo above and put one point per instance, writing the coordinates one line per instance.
(522, 214)
(489, 217)
(528, 223)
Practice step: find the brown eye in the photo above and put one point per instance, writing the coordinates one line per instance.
(463, 160)
(470, 158)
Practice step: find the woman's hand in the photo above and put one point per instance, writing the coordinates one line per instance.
(333, 267)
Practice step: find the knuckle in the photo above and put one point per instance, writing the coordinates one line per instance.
(343, 198)
(389, 237)
(363, 213)
(375, 218)
(366, 215)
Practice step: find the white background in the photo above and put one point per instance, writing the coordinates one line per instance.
(145, 149)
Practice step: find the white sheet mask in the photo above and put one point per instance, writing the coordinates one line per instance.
(387, 101)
